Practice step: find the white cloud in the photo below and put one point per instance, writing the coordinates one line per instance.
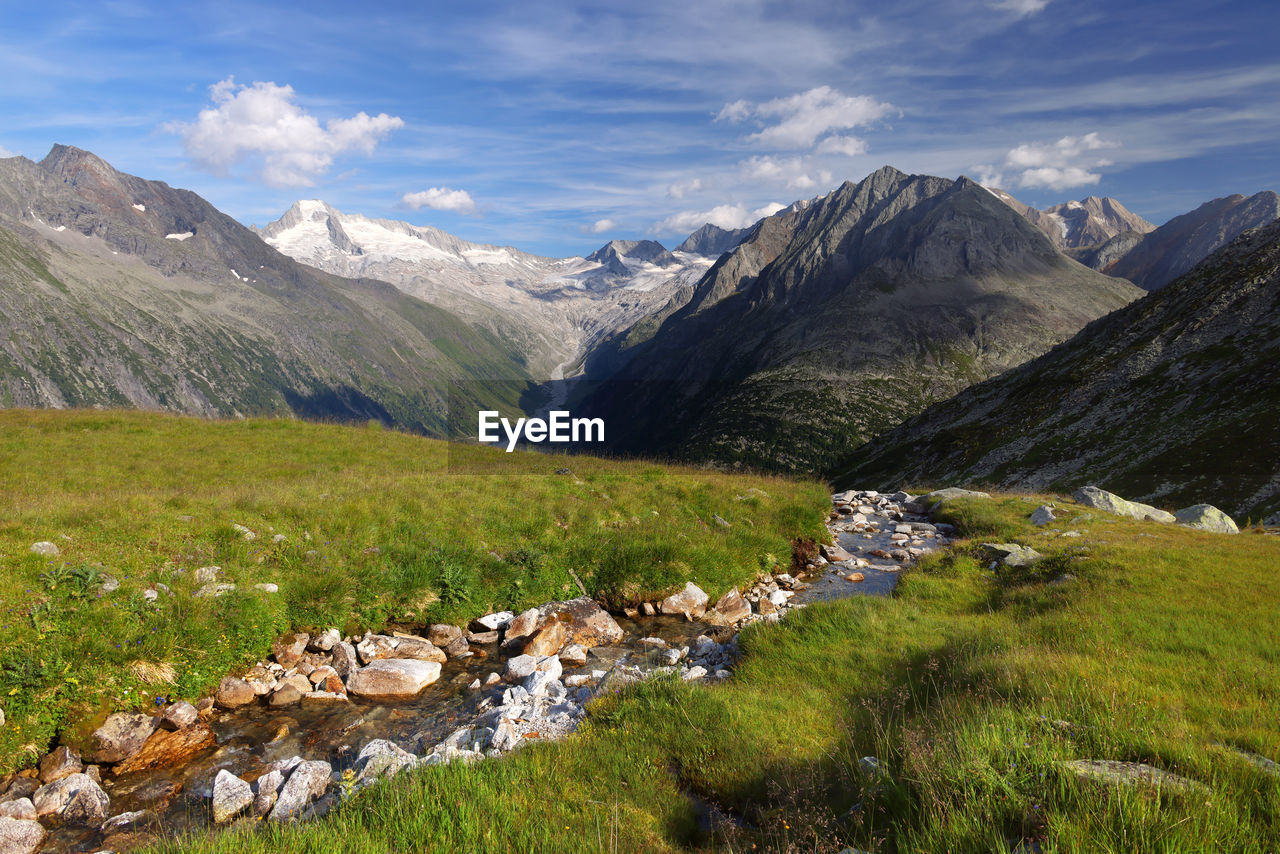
(849, 146)
(263, 120)
(440, 199)
(600, 226)
(802, 119)
(791, 172)
(1060, 165)
(4, 152)
(725, 216)
(680, 189)
(1020, 8)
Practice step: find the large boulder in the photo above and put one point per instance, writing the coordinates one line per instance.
(1206, 517)
(730, 608)
(393, 678)
(382, 758)
(546, 641)
(941, 496)
(231, 796)
(121, 736)
(166, 748)
(345, 659)
(1010, 554)
(78, 790)
(19, 808)
(690, 602)
(524, 625)
(1100, 499)
(419, 648)
(306, 782)
(585, 622)
(20, 836)
(233, 693)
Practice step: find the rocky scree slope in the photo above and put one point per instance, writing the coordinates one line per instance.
(1172, 399)
(836, 319)
(117, 291)
(551, 309)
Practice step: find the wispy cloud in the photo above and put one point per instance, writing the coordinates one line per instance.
(440, 199)
(1020, 8)
(263, 121)
(725, 216)
(798, 121)
(1068, 162)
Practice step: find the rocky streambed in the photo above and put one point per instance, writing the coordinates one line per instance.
(327, 715)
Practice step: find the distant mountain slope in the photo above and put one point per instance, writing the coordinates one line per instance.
(836, 319)
(713, 240)
(117, 291)
(1172, 399)
(551, 309)
(1088, 222)
(1184, 241)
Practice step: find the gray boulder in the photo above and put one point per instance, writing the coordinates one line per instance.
(1011, 554)
(381, 758)
(939, 496)
(1042, 515)
(231, 796)
(1206, 517)
(45, 549)
(121, 736)
(691, 602)
(307, 782)
(20, 836)
(393, 678)
(20, 808)
(1100, 499)
(77, 798)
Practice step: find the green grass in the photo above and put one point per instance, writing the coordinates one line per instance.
(969, 686)
(381, 528)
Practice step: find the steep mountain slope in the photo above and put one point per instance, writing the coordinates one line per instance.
(834, 320)
(1172, 399)
(713, 240)
(1073, 225)
(551, 309)
(117, 291)
(1184, 241)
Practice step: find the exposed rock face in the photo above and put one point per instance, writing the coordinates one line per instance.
(393, 678)
(691, 602)
(1184, 241)
(101, 308)
(867, 304)
(1172, 398)
(1100, 499)
(165, 748)
(713, 241)
(122, 735)
(1206, 517)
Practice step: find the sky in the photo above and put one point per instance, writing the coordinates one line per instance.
(556, 126)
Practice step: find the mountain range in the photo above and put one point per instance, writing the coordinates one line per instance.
(900, 299)
(117, 291)
(1172, 398)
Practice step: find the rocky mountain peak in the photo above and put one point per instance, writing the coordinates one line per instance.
(712, 240)
(614, 255)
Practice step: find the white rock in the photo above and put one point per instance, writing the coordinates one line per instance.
(45, 548)
(231, 796)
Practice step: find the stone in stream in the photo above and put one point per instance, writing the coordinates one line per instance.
(20, 808)
(233, 693)
(128, 822)
(289, 648)
(20, 836)
(492, 622)
(231, 796)
(1100, 499)
(344, 659)
(289, 691)
(373, 647)
(1206, 517)
(547, 641)
(265, 790)
(730, 608)
(443, 634)
(855, 577)
(573, 655)
(483, 638)
(306, 782)
(166, 748)
(62, 762)
(382, 758)
(585, 622)
(420, 649)
(77, 798)
(524, 625)
(393, 678)
(179, 715)
(457, 647)
(123, 735)
(835, 553)
(647, 609)
(22, 787)
(691, 602)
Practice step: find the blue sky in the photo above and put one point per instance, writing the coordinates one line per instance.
(557, 126)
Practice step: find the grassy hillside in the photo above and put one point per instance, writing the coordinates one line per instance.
(970, 687)
(378, 527)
